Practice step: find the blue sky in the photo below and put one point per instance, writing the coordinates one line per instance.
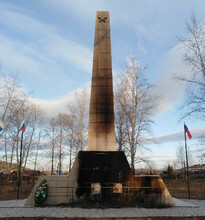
(50, 44)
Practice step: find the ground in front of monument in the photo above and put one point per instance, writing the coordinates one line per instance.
(184, 209)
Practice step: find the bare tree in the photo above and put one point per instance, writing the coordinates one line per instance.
(64, 136)
(181, 157)
(180, 153)
(193, 49)
(15, 106)
(35, 119)
(135, 103)
(16, 116)
(38, 146)
(70, 122)
(61, 138)
(78, 108)
(12, 98)
(120, 119)
(51, 133)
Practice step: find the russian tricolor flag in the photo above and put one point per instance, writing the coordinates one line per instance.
(1, 126)
(186, 130)
(23, 127)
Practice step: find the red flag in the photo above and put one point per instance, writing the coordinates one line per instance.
(186, 130)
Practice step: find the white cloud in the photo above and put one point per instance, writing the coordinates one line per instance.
(23, 23)
(178, 136)
(55, 106)
(39, 53)
(141, 48)
(72, 52)
(172, 91)
(16, 55)
(52, 107)
(47, 48)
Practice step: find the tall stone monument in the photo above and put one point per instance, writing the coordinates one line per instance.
(101, 173)
(101, 131)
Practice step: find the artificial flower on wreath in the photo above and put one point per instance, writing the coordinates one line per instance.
(41, 192)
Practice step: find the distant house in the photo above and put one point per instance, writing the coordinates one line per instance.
(13, 173)
(32, 172)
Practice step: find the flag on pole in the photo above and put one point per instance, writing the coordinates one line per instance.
(1, 126)
(23, 127)
(186, 130)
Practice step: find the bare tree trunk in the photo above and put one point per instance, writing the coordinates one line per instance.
(36, 155)
(120, 138)
(70, 157)
(60, 152)
(133, 162)
(29, 147)
(82, 131)
(52, 158)
(71, 143)
(12, 151)
(5, 146)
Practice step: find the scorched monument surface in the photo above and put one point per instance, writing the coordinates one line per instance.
(101, 133)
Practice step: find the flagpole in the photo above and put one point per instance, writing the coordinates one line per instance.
(187, 164)
(19, 180)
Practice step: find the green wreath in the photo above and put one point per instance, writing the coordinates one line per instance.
(41, 192)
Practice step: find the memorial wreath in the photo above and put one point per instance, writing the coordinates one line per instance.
(41, 192)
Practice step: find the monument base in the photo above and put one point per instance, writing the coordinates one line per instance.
(61, 189)
(104, 177)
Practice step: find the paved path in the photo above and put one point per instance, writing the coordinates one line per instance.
(14, 208)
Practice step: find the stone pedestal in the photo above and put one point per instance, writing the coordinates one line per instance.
(105, 177)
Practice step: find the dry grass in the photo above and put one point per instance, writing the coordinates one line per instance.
(9, 191)
(178, 188)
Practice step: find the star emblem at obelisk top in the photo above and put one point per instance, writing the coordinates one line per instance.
(102, 18)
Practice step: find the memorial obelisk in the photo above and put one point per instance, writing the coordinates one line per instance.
(101, 173)
(101, 131)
